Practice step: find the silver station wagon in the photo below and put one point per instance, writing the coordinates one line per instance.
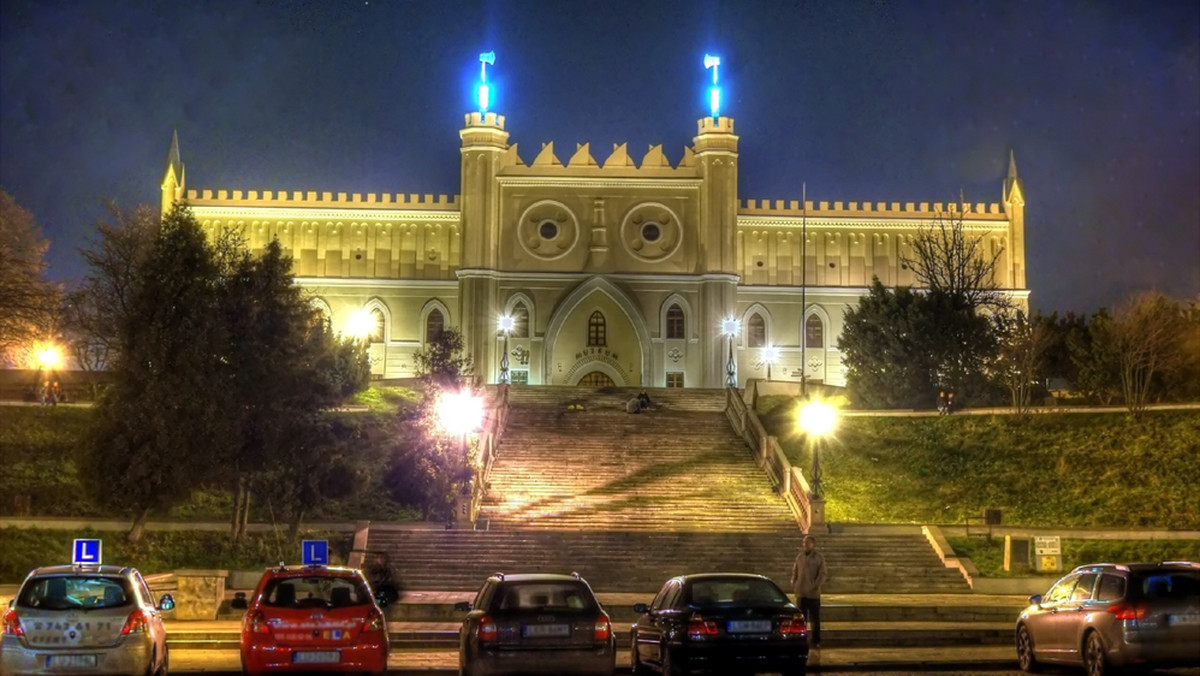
(85, 619)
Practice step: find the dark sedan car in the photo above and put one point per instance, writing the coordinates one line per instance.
(720, 623)
(1110, 615)
(536, 624)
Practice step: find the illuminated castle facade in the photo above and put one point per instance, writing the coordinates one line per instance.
(624, 271)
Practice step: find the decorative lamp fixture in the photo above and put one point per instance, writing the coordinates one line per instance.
(505, 324)
(730, 327)
(770, 355)
(714, 92)
(485, 93)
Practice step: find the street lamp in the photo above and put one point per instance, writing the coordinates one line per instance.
(506, 324)
(730, 327)
(48, 357)
(818, 420)
(770, 355)
(361, 324)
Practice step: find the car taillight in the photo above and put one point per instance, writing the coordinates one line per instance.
(699, 629)
(135, 623)
(12, 624)
(603, 629)
(794, 627)
(257, 624)
(374, 622)
(1128, 612)
(488, 633)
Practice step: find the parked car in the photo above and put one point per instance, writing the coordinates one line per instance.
(719, 623)
(1110, 615)
(92, 619)
(536, 623)
(314, 618)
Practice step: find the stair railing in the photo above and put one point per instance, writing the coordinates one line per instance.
(768, 455)
(495, 420)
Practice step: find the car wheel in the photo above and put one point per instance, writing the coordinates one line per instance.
(1095, 657)
(1025, 658)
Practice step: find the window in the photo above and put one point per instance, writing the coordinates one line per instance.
(520, 315)
(674, 323)
(756, 331)
(519, 377)
(315, 592)
(651, 232)
(1112, 588)
(548, 230)
(1083, 588)
(74, 592)
(814, 333)
(435, 323)
(674, 378)
(596, 330)
(376, 334)
(1062, 590)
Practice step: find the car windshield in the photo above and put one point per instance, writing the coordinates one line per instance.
(545, 596)
(736, 592)
(73, 592)
(324, 591)
(1171, 585)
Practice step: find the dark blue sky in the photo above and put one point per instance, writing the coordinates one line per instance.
(878, 101)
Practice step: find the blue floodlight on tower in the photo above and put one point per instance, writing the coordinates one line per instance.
(714, 92)
(485, 94)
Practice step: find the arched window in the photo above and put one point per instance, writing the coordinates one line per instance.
(675, 323)
(756, 331)
(376, 334)
(434, 324)
(814, 333)
(520, 315)
(596, 330)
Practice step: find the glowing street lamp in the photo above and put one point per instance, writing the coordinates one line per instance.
(818, 420)
(361, 324)
(459, 413)
(770, 355)
(505, 324)
(48, 356)
(730, 327)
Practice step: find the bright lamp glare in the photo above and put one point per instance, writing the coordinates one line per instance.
(730, 326)
(361, 324)
(770, 354)
(818, 419)
(460, 412)
(714, 101)
(48, 357)
(485, 96)
(506, 323)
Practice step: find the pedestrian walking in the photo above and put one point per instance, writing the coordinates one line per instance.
(808, 576)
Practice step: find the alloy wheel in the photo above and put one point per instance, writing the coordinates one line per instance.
(1094, 657)
(1025, 650)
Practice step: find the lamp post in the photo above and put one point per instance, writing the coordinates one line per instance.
(459, 414)
(505, 324)
(818, 420)
(803, 289)
(770, 355)
(730, 328)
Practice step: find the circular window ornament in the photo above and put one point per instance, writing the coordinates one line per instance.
(548, 230)
(651, 232)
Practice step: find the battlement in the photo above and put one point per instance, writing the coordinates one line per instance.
(881, 209)
(715, 125)
(617, 163)
(310, 198)
(477, 119)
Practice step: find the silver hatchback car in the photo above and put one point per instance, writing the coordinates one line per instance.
(1107, 616)
(85, 619)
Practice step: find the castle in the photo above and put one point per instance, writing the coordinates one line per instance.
(607, 273)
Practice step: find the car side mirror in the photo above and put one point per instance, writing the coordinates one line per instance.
(1035, 600)
(239, 601)
(463, 606)
(167, 602)
(381, 597)
(640, 608)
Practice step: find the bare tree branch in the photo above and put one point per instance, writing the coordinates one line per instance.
(948, 259)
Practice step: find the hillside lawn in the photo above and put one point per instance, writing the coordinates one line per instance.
(988, 553)
(1080, 470)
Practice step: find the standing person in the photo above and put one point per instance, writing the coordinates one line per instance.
(46, 393)
(808, 575)
(941, 403)
(950, 403)
(55, 394)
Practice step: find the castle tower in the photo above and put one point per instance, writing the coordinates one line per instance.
(1014, 205)
(173, 179)
(484, 142)
(716, 149)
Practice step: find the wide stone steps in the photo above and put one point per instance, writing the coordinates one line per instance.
(592, 398)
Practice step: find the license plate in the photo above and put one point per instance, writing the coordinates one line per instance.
(71, 661)
(316, 657)
(545, 630)
(1186, 620)
(749, 627)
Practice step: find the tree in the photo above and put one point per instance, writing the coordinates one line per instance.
(27, 301)
(1023, 343)
(947, 259)
(1094, 354)
(1148, 333)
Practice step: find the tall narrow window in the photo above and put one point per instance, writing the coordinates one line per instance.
(596, 330)
(376, 334)
(814, 333)
(756, 331)
(520, 315)
(434, 324)
(674, 323)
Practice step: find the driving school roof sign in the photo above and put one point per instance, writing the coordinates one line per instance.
(86, 552)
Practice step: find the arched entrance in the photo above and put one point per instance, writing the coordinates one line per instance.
(596, 328)
(596, 379)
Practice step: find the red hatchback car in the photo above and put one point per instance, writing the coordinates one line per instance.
(314, 618)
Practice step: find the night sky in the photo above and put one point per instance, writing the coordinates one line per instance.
(863, 101)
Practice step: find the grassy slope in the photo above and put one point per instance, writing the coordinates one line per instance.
(988, 554)
(1076, 469)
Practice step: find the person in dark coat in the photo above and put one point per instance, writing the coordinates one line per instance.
(808, 576)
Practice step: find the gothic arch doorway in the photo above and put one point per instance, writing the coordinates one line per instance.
(596, 379)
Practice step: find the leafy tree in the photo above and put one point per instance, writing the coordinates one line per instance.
(1093, 352)
(1023, 343)
(1148, 333)
(27, 301)
(947, 259)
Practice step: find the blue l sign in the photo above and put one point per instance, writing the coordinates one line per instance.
(86, 552)
(315, 552)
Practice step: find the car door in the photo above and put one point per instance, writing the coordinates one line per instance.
(1070, 616)
(1047, 644)
(646, 630)
(157, 630)
(666, 618)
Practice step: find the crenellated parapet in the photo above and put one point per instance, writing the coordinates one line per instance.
(915, 210)
(618, 163)
(323, 200)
